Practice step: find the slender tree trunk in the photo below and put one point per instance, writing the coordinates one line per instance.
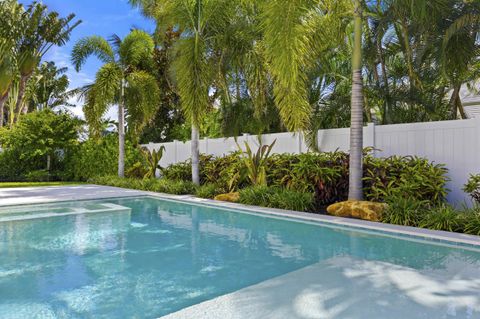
(195, 155)
(121, 131)
(3, 99)
(355, 189)
(22, 86)
(453, 101)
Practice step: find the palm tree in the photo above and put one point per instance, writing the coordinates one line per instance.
(355, 189)
(200, 22)
(12, 16)
(123, 80)
(42, 31)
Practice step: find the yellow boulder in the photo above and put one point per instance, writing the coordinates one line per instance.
(358, 209)
(230, 197)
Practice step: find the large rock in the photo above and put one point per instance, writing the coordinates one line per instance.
(358, 209)
(230, 197)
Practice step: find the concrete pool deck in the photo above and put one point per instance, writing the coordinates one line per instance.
(48, 194)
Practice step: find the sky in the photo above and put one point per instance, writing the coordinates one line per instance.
(100, 17)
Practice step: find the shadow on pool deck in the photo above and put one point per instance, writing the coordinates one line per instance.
(355, 289)
(33, 195)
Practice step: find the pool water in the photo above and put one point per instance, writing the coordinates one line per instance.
(151, 257)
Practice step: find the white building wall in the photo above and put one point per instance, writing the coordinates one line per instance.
(453, 143)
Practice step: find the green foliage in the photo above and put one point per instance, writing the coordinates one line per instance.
(405, 211)
(137, 170)
(38, 137)
(152, 184)
(472, 187)
(404, 176)
(256, 163)
(41, 133)
(99, 157)
(209, 191)
(38, 176)
(472, 221)
(276, 197)
(152, 158)
(443, 217)
(180, 171)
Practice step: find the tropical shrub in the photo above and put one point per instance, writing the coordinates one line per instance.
(406, 211)
(137, 170)
(472, 221)
(99, 157)
(152, 158)
(209, 191)
(404, 176)
(443, 217)
(256, 163)
(472, 187)
(277, 197)
(175, 187)
(42, 140)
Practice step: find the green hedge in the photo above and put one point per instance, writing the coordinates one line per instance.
(153, 185)
(326, 175)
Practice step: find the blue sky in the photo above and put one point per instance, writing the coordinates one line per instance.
(100, 17)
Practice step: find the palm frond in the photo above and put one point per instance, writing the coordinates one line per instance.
(94, 45)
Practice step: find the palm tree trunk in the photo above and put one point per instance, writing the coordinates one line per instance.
(195, 155)
(22, 86)
(3, 99)
(355, 189)
(121, 131)
(453, 101)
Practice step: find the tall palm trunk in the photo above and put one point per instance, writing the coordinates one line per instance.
(3, 100)
(195, 155)
(22, 87)
(121, 131)
(453, 101)
(355, 191)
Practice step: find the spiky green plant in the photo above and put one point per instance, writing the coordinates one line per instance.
(152, 158)
(256, 163)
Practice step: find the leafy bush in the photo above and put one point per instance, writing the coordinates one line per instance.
(137, 170)
(276, 197)
(41, 175)
(471, 220)
(404, 176)
(326, 175)
(99, 157)
(42, 140)
(153, 184)
(472, 187)
(405, 211)
(443, 217)
(209, 191)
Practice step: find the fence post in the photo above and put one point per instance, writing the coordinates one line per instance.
(175, 151)
(300, 137)
(370, 137)
(477, 124)
(206, 144)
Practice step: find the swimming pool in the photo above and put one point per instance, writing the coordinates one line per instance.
(147, 257)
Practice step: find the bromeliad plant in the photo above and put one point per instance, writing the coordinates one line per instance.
(152, 158)
(256, 163)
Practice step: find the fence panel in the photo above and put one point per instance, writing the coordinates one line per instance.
(453, 143)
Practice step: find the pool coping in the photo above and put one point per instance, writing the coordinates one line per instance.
(420, 233)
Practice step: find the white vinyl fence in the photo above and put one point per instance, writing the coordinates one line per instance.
(453, 143)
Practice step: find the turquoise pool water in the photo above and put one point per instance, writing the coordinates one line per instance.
(146, 257)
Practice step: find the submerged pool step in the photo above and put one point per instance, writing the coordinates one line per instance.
(51, 210)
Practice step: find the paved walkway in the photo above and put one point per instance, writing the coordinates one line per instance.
(35, 195)
(344, 287)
